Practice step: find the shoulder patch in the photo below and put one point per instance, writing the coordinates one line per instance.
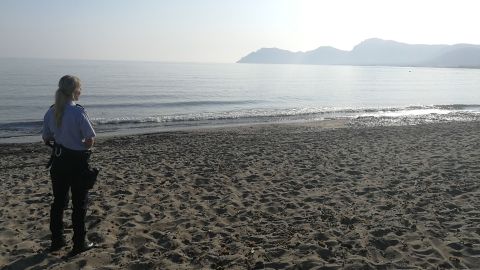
(80, 106)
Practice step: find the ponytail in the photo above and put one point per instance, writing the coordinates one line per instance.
(66, 86)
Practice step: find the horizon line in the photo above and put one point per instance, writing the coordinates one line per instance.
(110, 60)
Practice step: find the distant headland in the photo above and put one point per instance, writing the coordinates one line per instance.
(375, 52)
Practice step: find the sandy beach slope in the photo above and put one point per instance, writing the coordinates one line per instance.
(261, 197)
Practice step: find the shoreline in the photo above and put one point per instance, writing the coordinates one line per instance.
(269, 196)
(22, 132)
(336, 123)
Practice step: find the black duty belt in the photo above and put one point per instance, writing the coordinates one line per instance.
(59, 150)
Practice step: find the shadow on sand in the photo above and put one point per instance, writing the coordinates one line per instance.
(32, 262)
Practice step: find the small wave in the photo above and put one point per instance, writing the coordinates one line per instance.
(20, 125)
(407, 120)
(18, 129)
(172, 104)
(463, 107)
(305, 113)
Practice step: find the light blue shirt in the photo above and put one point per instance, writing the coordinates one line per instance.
(75, 128)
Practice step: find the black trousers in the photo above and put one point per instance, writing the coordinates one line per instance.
(66, 175)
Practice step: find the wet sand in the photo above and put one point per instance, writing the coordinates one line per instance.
(299, 196)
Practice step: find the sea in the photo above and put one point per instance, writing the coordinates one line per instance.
(127, 97)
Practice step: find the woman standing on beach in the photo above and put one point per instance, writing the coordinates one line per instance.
(66, 124)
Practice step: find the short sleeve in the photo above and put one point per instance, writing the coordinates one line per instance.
(86, 126)
(46, 131)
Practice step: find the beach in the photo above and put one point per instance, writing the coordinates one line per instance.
(317, 195)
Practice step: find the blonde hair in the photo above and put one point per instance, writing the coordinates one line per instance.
(66, 87)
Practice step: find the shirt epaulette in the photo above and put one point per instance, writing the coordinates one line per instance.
(80, 107)
(83, 109)
(53, 105)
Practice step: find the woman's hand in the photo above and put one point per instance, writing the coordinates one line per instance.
(48, 141)
(89, 143)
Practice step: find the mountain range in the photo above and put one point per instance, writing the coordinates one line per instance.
(375, 52)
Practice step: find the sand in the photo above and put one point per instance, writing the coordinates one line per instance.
(290, 196)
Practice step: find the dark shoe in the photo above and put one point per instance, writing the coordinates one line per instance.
(57, 244)
(77, 249)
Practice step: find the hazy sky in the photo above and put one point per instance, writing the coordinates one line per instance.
(222, 30)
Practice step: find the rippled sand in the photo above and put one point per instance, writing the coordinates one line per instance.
(270, 196)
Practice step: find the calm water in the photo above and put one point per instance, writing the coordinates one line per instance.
(137, 95)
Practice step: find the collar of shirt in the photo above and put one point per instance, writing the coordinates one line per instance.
(71, 102)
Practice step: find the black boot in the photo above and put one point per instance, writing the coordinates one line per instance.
(57, 244)
(79, 248)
